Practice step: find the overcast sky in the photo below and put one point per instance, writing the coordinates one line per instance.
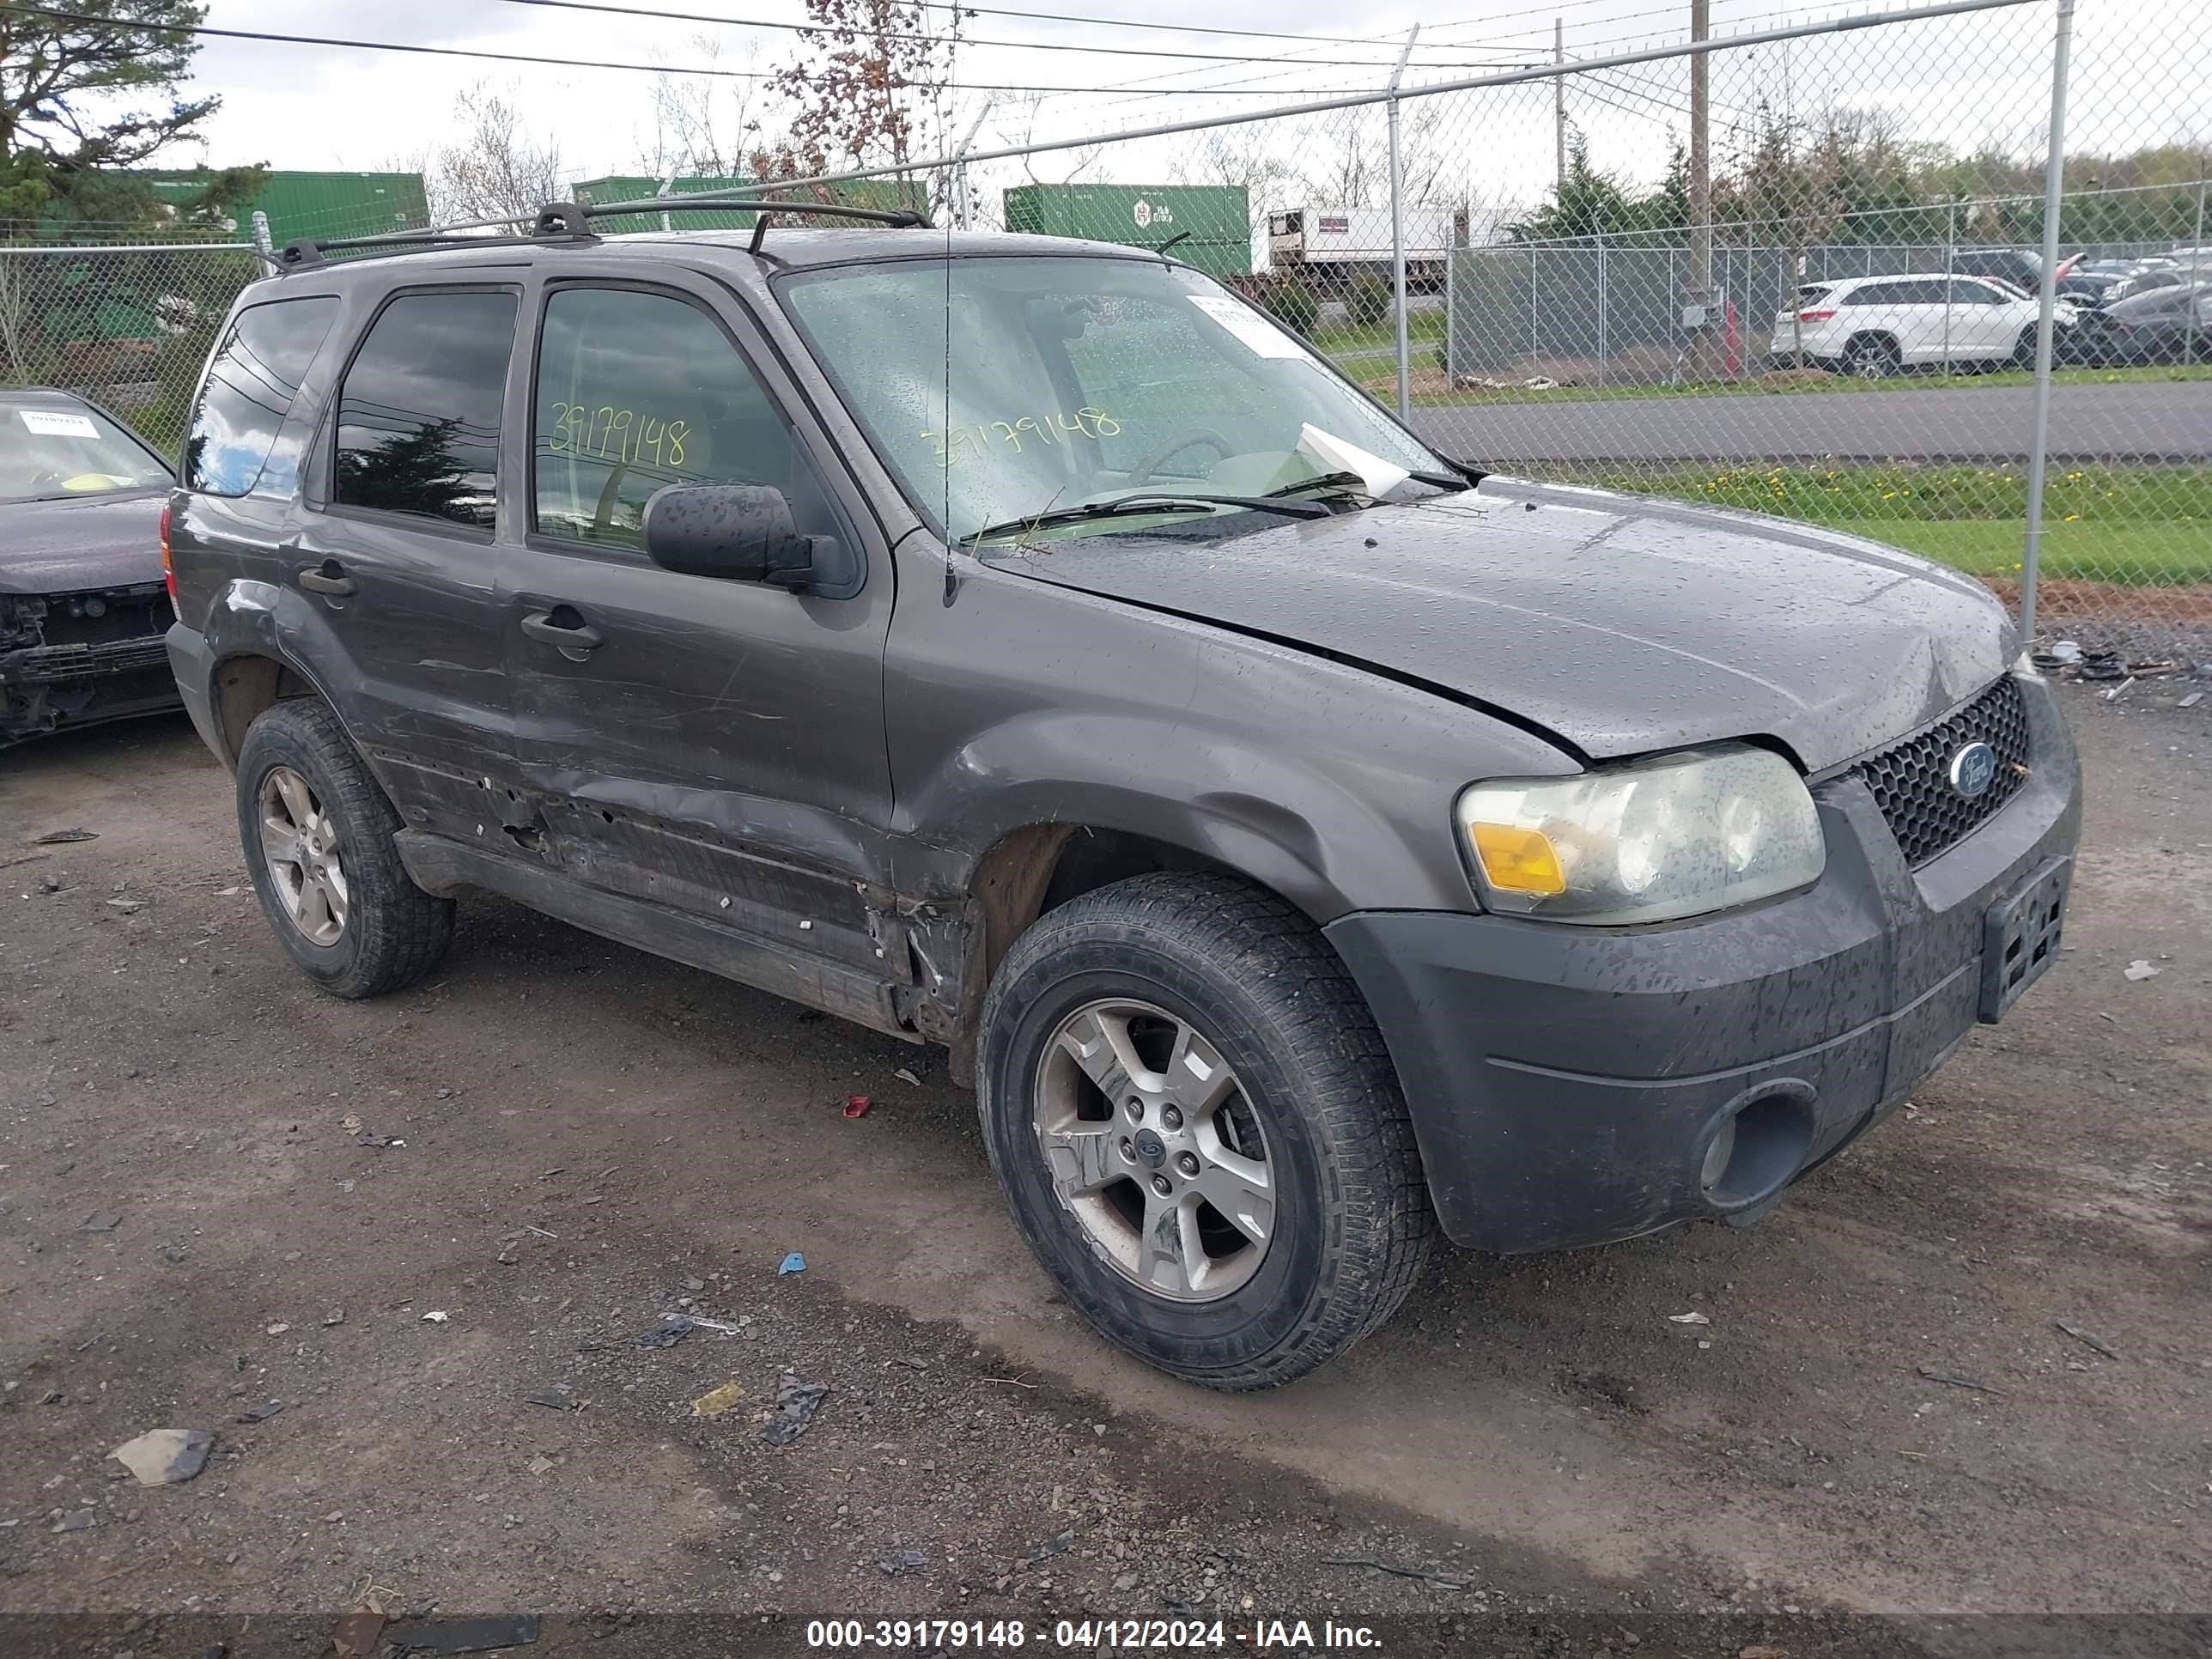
(1980, 78)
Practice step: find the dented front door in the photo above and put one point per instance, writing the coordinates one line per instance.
(712, 746)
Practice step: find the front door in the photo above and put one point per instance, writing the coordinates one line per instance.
(709, 744)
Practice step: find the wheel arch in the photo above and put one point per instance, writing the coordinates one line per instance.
(1033, 868)
(245, 684)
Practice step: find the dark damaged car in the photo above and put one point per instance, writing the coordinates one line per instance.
(1306, 844)
(83, 604)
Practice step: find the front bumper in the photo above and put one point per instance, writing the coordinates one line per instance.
(1567, 1083)
(48, 682)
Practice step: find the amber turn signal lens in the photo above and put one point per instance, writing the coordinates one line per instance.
(1517, 861)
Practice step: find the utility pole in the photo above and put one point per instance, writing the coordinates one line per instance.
(1698, 293)
(1559, 105)
(1398, 228)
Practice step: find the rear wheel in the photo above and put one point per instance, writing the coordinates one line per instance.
(1200, 1132)
(317, 832)
(2023, 350)
(1873, 357)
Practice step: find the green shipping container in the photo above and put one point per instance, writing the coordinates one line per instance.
(321, 205)
(885, 193)
(1213, 222)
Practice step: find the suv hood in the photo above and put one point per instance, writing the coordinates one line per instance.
(1619, 624)
(79, 541)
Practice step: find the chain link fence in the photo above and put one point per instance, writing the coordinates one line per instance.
(1798, 271)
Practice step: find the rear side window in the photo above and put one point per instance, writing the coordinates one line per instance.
(249, 387)
(1811, 296)
(1873, 294)
(419, 414)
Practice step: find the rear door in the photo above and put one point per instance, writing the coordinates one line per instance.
(710, 744)
(1915, 306)
(396, 552)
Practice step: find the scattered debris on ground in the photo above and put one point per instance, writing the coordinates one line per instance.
(796, 1403)
(164, 1457)
(2089, 1338)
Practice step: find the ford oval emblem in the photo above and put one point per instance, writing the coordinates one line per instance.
(1973, 769)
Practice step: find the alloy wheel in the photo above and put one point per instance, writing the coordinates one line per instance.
(1154, 1151)
(299, 846)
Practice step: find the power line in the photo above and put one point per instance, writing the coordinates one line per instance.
(600, 6)
(1177, 28)
(346, 44)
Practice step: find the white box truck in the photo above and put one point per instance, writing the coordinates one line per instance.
(1341, 241)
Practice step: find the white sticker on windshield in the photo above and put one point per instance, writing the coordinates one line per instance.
(1264, 338)
(59, 424)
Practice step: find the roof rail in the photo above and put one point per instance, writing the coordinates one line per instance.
(568, 222)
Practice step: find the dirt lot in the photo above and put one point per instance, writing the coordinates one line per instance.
(199, 1213)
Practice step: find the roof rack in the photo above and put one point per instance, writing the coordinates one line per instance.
(568, 222)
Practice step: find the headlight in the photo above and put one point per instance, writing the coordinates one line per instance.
(1650, 841)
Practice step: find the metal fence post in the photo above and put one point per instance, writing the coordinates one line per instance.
(1398, 229)
(2196, 272)
(1600, 309)
(1950, 267)
(261, 238)
(2054, 180)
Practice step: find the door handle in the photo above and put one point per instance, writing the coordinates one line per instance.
(562, 627)
(329, 578)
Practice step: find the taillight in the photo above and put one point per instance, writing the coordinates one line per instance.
(1814, 316)
(169, 571)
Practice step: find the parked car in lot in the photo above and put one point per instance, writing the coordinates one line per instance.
(2094, 282)
(1305, 843)
(2167, 324)
(1881, 325)
(82, 608)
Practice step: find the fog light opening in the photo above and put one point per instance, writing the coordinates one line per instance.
(1755, 1149)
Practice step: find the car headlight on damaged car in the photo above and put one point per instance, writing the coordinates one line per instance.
(1654, 840)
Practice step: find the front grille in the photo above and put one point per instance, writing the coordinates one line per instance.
(1912, 780)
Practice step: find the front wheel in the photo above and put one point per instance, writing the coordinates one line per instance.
(1199, 1131)
(317, 832)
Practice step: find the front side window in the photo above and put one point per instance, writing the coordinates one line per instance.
(251, 382)
(638, 391)
(419, 414)
(1002, 389)
(49, 448)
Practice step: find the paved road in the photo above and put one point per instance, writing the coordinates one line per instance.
(2123, 421)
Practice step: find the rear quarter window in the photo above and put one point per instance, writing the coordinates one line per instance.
(251, 382)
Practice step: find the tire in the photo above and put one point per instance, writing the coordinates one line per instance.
(388, 933)
(1873, 357)
(1311, 1095)
(2023, 350)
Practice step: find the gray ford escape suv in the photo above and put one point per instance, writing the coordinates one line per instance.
(1306, 842)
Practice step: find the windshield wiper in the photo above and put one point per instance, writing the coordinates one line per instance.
(1353, 483)
(1145, 504)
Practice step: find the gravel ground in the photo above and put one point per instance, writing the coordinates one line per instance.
(439, 1228)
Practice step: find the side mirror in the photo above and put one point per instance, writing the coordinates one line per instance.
(740, 533)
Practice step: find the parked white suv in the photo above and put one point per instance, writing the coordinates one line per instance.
(1877, 326)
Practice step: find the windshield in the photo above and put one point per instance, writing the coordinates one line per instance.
(1002, 390)
(71, 449)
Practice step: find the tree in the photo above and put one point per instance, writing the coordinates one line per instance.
(875, 86)
(709, 126)
(494, 169)
(82, 101)
(1587, 203)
